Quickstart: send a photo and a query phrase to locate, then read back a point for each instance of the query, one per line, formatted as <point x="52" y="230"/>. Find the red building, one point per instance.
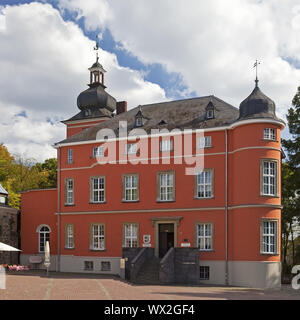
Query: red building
<point x="213" y="193"/>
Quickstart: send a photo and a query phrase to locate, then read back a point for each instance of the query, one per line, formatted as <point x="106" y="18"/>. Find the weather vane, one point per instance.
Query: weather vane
<point x="97" y="47"/>
<point x="256" y="67"/>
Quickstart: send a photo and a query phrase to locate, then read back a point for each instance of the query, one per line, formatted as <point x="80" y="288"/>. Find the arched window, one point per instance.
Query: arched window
<point x="44" y="235"/>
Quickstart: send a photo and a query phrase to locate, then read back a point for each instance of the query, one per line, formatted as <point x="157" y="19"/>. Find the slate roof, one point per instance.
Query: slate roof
<point x="2" y="190"/>
<point x="181" y="114"/>
<point x="94" y="113"/>
<point x="257" y="105"/>
<point x="96" y="96"/>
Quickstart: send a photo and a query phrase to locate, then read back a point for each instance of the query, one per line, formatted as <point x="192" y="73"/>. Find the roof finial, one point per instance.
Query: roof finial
<point x="97" y="47"/>
<point x="256" y="67"/>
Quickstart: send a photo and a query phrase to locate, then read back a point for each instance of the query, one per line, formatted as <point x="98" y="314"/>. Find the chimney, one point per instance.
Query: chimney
<point x="121" y="107"/>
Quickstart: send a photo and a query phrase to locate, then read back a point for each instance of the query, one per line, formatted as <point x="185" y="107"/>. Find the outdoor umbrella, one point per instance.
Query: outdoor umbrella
<point x="5" y="247"/>
<point x="47" y="256"/>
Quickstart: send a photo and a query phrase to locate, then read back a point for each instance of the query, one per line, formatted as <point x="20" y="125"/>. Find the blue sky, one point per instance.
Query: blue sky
<point x="172" y="82"/>
<point x="153" y="50"/>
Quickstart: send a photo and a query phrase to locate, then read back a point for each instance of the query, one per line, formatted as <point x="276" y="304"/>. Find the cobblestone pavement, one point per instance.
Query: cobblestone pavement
<point x="60" y="286"/>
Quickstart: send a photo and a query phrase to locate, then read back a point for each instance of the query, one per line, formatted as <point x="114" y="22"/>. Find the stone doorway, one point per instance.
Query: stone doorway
<point x="166" y="237"/>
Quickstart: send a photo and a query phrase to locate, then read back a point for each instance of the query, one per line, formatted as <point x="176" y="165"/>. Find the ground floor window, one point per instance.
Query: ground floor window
<point x="69" y="236"/>
<point x="204" y="273"/>
<point x="97" y="236"/>
<point x="205" y="236"/>
<point x="105" y="266"/>
<point x="130" y="232"/>
<point x="44" y="236"/>
<point x="269" y="237"/>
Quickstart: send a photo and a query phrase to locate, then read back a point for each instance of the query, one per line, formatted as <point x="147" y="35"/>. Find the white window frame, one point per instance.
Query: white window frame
<point x="166" y="145"/>
<point x="204" y="185"/>
<point x="138" y="122"/>
<point x="207" y="237"/>
<point x="269" y="177"/>
<point x="69" y="191"/>
<point x="166" y="186"/>
<point x="45" y="234"/>
<point x="70" y="156"/>
<point x="210" y="114"/>
<point x="70" y="236"/>
<point x="269" y="236"/>
<point x="131" y="148"/>
<point x="131" y="187"/>
<point x="98" y="151"/>
<point x="131" y="235"/>
<point x="205" y="272"/>
<point x="99" y="191"/>
<point x="97" y="236"/>
<point x="270" y="134"/>
<point x="204" y="142"/>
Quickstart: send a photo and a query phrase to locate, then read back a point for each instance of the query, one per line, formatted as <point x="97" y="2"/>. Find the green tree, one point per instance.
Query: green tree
<point x="291" y="183"/>
<point x="18" y="174"/>
<point x="293" y="145"/>
<point x="6" y="163"/>
<point x="48" y="173"/>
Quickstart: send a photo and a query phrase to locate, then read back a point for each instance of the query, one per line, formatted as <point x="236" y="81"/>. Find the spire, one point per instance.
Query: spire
<point x="97" y="47"/>
<point x="256" y="67"/>
<point x="96" y="70"/>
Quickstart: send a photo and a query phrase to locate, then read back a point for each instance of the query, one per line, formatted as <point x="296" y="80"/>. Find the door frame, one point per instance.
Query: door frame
<point x="164" y="220"/>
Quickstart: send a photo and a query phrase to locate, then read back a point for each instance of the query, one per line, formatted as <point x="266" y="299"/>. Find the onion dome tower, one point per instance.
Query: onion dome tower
<point x="95" y="97"/>
<point x="257" y="105"/>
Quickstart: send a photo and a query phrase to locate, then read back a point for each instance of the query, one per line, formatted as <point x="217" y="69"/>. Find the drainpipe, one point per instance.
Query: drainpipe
<point x="226" y="208"/>
<point x="58" y="213"/>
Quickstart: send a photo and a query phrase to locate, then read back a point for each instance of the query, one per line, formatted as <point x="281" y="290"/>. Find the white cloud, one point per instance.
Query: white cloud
<point x="43" y="63"/>
<point x="213" y="44"/>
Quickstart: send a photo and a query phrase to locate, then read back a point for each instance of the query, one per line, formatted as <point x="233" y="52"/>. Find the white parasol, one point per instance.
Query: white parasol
<point x="6" y="247"/>
<point x="47" y="256"/>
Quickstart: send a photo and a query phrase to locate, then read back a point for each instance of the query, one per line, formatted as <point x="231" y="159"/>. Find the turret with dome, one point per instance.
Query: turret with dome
<point x="94" y="103"/>
<point x="257" y="105"/>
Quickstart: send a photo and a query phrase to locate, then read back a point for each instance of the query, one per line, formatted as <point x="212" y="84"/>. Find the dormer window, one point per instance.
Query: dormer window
<point x="162" y="123"/>
<point x="210" y="111"/>
<point x="88" y="112"/>
<point x="138" y="122"/>
<point x="210" y="114"/>
<point x="139" y="118"/>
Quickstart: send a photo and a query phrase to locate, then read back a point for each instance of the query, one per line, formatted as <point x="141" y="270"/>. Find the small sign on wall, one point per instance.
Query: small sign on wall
<point x="146" y="240"/>
<point x="185" y="244"/>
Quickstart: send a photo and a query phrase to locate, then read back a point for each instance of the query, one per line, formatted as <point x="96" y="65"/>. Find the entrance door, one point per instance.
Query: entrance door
<point x="166" y="238"/>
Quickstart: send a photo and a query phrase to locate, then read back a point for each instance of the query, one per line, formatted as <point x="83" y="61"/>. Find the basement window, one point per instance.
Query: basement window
<point x="204" y="273"/>
<point x="88" y="265"/>
<point x="105" y="266"/>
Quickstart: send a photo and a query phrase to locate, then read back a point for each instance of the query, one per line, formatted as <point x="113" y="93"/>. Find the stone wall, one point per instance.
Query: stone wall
<point x="130" y="253"/>
<point x="180" y="265"/>
<point x="186" y="263"/>
<point x="9" y="234"/>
